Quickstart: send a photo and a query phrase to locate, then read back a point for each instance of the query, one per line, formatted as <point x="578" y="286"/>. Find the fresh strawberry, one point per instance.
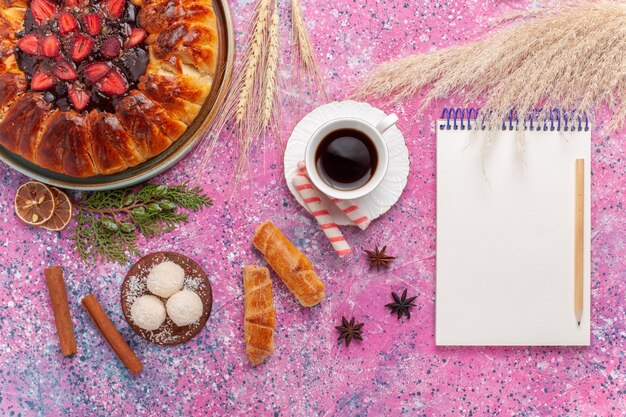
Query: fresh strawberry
<point x="29" y="44"/>
<point x="111" y="47"/>
<point x="81" y="47"/>
<point x="42" y="10"/>
<point x="136" y="36"/>
<point x="67" y="23"/>
<point x="115" y="7"/>
<point x="78" y="96"/>
<point x="41" y="81"/>
<point x="95" y="71"/>
<point x="114" y="84"/>
<point x="71" y="3"/>
<point x="64" y="70"/>
<point x="50" y="46"/>
<point x="92" y="23"/>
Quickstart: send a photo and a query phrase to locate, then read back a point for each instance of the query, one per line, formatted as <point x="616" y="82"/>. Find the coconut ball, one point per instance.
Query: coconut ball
<point x="148" y="312"/>
<point x="184" y="308"/>
<point x="165" y="279"/>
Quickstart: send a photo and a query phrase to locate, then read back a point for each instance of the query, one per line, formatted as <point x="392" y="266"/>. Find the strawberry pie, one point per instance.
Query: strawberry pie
<point x="92" y="87"/>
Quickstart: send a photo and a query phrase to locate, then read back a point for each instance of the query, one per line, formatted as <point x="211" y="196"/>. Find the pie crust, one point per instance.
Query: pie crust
<point x="182" y="44"/>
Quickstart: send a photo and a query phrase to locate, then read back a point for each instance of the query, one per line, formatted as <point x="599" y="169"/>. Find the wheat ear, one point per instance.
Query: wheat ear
<point x="269" y="86"/>
<point x="252" y="59"/>
<point x="302" y="48"/>
<point x="239" y="101"/>
<point x="301" y="35"/>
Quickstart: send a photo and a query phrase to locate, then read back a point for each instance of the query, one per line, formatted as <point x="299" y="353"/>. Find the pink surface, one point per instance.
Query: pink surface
<point x="396" y="369"/>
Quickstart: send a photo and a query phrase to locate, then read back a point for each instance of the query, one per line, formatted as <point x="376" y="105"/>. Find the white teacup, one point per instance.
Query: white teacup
<point x="373" y="132"/>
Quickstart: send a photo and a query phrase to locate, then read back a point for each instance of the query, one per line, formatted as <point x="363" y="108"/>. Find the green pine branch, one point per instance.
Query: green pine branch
<point x="108" y="222"/>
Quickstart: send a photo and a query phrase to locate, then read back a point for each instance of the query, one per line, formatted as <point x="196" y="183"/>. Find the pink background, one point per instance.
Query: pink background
<point x="397" y="369"/>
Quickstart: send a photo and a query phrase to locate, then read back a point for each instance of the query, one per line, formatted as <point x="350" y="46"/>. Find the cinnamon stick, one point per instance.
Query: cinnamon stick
<point x="61" y="309"/>
<point x="111" y="335"/>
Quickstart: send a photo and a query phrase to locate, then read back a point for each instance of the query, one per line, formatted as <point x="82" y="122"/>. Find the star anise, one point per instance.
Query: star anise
<point x="378" y="258"/>
<point x="401" y="305"/>
<point x="349" y="331"/>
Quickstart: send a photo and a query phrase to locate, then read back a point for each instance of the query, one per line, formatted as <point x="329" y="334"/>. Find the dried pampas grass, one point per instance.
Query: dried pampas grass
<point x="573" y="59"/>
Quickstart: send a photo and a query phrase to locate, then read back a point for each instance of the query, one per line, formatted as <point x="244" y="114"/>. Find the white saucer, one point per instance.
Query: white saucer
<point x="388" y="192"/>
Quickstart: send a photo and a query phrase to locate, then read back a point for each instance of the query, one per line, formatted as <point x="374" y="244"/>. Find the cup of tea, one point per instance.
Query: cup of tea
<point x="347" y="158"/>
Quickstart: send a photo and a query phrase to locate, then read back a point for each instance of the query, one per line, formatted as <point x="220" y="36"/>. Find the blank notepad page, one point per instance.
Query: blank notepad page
<point x="505" y="238"/>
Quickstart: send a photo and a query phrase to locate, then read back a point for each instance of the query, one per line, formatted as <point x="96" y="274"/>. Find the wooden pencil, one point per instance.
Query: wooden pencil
<point x="578" y="251"/>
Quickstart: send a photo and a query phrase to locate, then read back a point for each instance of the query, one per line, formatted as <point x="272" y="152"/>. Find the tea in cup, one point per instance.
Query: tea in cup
<point x="347" y="158"/>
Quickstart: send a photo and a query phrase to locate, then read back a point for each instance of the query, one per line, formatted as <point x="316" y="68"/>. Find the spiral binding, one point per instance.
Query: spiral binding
<point x="537" y="120"/>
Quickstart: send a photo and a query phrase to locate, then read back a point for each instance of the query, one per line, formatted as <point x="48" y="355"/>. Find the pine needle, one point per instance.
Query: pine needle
<point x="107" y="222"/>
<point x="573" y="60"/>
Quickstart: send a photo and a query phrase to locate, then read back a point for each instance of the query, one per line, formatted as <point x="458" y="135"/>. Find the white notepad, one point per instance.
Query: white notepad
<point x="505" y="238"/>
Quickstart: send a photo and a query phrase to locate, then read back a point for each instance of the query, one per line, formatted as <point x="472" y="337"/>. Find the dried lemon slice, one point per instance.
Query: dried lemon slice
<point x="34" y="203"/>
<point x="62" y="213"/>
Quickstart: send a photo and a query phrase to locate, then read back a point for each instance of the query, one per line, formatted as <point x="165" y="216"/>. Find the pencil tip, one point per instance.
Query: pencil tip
<point x="579" y="323"/>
